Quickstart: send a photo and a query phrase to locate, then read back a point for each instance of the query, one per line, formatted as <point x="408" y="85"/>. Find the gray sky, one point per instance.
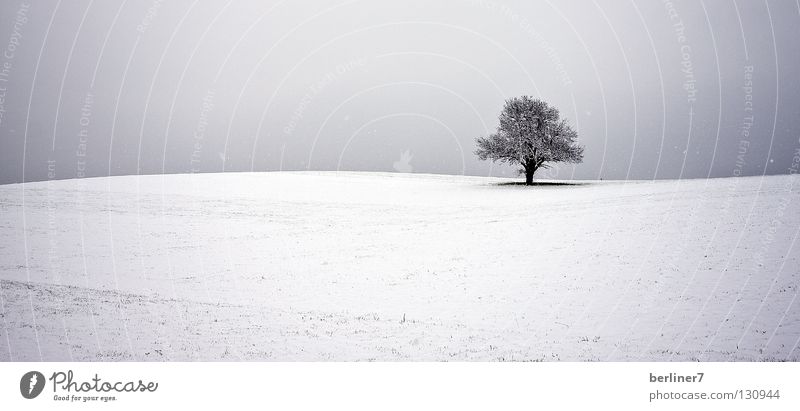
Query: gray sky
<point x="656" y="89"/>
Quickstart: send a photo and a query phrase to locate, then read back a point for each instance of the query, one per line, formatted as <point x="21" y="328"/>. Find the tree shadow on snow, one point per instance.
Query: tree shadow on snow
<point x="543" y="183"/>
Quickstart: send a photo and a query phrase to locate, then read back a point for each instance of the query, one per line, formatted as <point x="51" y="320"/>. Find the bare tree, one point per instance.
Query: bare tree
<point x="530" y="134"/>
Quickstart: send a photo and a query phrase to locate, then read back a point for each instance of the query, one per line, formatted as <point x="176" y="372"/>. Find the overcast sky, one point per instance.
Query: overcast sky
<point x="656" y="89"/>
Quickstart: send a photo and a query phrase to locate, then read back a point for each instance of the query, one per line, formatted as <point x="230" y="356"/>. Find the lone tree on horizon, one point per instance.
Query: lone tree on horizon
<point x="530" y="134"/>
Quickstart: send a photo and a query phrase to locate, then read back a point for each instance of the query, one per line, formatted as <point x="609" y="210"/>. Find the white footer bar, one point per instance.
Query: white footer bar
<point x="401" y="386"/>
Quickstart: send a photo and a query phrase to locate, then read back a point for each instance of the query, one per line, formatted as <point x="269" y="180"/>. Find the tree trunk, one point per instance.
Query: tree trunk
<point x="529" y="170"/>
<point x="530" y="166"/>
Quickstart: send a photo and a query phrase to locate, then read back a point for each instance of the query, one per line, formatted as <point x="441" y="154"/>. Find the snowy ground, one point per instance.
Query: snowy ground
<point x="364" y="266"/>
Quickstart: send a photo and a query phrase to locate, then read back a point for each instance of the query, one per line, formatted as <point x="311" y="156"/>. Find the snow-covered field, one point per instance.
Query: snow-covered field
<point x="366" y="266"/>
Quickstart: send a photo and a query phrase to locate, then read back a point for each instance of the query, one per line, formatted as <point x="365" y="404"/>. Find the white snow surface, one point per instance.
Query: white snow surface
<point x="375" y="266"/>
